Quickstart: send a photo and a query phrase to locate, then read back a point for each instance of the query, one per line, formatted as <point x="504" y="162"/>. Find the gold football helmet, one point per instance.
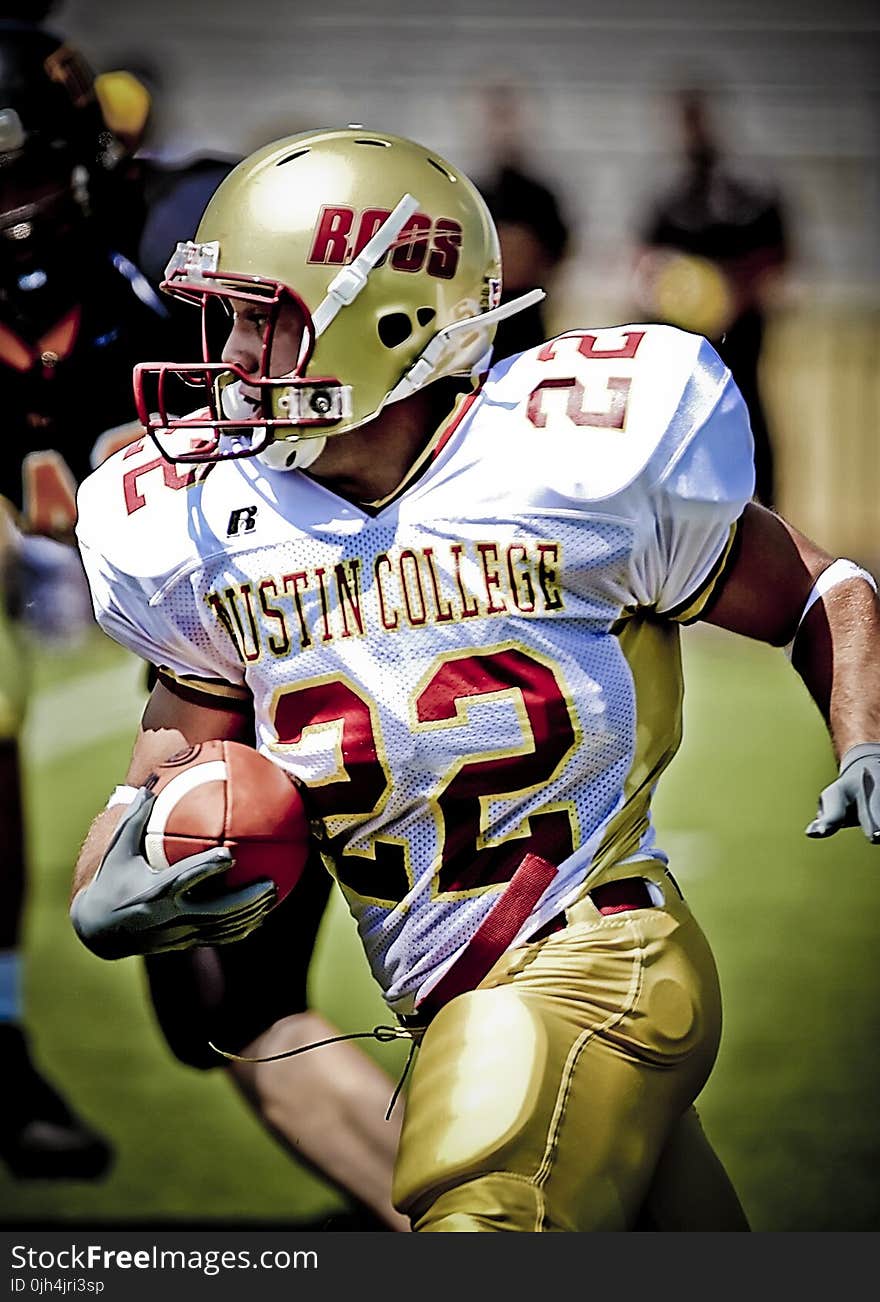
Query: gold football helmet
<point x="392" y="258"/>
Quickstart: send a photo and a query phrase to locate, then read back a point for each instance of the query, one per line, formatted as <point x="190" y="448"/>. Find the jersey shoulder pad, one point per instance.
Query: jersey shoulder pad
<point x="614" y="403"/>
<point x="135" y="508"/>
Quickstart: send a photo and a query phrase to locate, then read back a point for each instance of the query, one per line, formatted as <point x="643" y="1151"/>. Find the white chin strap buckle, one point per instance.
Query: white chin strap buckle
<point x="303" y="404"/>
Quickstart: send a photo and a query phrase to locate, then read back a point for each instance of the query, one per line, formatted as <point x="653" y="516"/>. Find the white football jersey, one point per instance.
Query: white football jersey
<point x="485" y="666"/>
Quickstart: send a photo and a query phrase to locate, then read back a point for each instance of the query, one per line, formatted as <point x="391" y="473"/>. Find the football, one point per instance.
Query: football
<point x="223" y="793"/>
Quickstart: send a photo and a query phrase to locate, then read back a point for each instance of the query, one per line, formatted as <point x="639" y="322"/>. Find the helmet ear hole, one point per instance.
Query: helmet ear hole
<point x="425" y="315"/>
<point x="394" y="329"/>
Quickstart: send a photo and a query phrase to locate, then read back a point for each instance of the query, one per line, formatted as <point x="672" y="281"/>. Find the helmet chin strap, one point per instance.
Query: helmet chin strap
<point x="294" y="453"/>
<point x="297" y="452"/>
<point x="286" y="454"/>
<point x="348" y="283"/>
<point x="234" y="403"/>
<point x="422" y="370"/>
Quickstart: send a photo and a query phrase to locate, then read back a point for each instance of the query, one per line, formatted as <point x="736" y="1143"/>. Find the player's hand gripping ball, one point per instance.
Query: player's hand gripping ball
<point x="222" y="793"/>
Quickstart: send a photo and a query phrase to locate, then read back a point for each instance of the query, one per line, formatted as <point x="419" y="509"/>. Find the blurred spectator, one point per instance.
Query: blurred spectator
<point x="531" y="227"/>
<point x="713" y="247"/>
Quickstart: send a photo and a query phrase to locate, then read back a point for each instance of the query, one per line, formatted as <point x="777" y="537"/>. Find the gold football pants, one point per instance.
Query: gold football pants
<point x="557" y="1095"/>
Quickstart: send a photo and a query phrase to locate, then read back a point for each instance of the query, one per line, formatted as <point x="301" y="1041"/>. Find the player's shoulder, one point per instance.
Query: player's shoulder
<point x="610" y="404"/>
<point x="135" y="509"/>
<point x="640" y="348"/>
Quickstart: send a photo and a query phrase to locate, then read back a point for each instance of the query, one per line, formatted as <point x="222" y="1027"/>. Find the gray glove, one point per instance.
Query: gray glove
<point x="853" y="799"/>
<point x="130" y="908"/>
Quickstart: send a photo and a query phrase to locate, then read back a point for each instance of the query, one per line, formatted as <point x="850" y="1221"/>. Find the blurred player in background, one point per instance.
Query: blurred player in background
<point x="167" y="194"/>
<point x="528" y="215"/>
<point x="73" y="312"/>
<point x="76" y="312"/>
<point x="714" y="246"/>
<point x="446" y="598"/>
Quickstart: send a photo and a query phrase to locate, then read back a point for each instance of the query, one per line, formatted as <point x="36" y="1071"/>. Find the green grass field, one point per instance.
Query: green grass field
<point x="791" y="1107"/>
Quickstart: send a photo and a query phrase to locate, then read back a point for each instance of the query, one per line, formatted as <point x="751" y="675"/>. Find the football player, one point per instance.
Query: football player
<point x="448" y="598"/>
<point x="75" y="314"/>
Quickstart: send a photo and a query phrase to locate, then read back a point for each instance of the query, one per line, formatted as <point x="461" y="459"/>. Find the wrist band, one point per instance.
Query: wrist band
<point x="837" y="572"/>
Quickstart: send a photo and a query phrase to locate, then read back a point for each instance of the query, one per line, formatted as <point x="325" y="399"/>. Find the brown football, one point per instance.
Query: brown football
<point x="223" y="793"/>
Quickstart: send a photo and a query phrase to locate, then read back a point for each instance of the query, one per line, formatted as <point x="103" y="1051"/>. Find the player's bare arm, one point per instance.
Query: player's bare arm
<point x="776" y="592"/>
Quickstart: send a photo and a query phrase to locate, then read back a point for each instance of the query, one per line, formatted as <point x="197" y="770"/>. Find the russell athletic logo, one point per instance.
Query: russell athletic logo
<point x="242" y="520"/>
<point x="424" y="242"/>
